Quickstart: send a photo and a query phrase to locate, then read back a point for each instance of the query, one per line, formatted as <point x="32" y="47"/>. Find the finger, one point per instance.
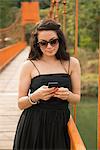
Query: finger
<point x="51" y="89"/>
<point x="60" y="92"/>
<point x="49" y="92"/>
<point x="48" y="89"/>
<point x="45" y="87"/>
<point x="63" y="89"/>
<point x="47" y="97"/>
<point x="56" y="89"/>
<point x="58" y="96"/>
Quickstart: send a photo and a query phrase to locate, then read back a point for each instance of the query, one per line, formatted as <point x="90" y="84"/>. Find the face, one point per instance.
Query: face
<point x="48" y="42"/>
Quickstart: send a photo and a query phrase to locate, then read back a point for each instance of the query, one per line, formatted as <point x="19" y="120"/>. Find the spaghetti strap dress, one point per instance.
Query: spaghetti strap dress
<point x="43" y="126"/>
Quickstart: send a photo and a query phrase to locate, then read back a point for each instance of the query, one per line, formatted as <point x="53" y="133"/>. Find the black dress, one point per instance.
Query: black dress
<point x="44" y="126"/>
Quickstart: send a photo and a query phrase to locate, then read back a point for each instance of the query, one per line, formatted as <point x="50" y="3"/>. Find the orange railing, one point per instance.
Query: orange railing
<point x="30" y="12"/>
<point x="98" y="116"/>
<point x="76" y="141"/>
<point x="8" y="53"/>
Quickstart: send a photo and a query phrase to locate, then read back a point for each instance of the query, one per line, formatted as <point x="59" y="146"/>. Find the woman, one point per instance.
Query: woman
<point x="43" y="123"/>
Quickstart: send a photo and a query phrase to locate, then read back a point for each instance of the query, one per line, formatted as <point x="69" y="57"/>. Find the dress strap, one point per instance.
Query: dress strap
<point x="67" y="71"/>
<point x="68" y="66"/>
<point x="35" y="66"/>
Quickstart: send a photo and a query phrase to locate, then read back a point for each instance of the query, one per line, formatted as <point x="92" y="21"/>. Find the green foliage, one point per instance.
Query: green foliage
<point x="43" y="13"/>
<point x="44" y="4"/>
<point x="89" y="72"/>
<point x="29" y="28"/>
<point x="7" y="12"/>
<point x="70" y="21"/>
<point x="90" y="84"/>
<point x="89" y="21"/>
<point x="22" y="1"/>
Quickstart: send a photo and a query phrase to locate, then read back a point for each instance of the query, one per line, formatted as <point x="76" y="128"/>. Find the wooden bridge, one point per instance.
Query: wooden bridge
<point x="9" y="112"/>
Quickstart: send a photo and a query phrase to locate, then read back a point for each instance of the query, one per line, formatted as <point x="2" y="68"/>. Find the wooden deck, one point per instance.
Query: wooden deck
<point x="9" y="112"/>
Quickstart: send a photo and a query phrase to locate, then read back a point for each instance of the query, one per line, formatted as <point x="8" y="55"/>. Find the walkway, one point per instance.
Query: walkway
<point x="9" y="112"/>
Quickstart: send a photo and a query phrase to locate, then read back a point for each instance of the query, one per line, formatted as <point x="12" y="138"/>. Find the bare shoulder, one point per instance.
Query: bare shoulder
<point x="74" y="63"/>
<point x="74" y="60"/>
<point x="26" y="65"/>
<point x="29" y="68"/>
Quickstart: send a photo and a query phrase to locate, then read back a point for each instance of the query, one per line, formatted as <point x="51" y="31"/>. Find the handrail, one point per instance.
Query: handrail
<point x="76" y="45"/>
<point x="57" y="10"/>
<point x="51" y="12"/>
<point x="98" y="123"/>
<point x="64" y="16"/>
<point x="10" y="52"/>
<point x="76" y="141"/>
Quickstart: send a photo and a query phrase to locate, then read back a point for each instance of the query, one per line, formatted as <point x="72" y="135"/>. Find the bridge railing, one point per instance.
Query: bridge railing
<point x="9" y="53"/>
<point x="76" y="141"/>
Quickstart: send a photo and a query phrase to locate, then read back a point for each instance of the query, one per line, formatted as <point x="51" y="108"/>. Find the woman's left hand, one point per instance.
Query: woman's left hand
<point x="62" y="93"/>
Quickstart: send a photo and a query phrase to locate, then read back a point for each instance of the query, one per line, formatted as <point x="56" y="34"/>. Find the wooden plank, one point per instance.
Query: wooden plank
<point x="9" y="111"/>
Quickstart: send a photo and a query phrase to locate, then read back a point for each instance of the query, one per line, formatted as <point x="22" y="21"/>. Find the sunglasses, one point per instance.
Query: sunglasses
<point x="52" y="42"/>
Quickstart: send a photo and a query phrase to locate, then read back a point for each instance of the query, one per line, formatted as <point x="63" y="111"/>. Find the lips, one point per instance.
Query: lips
<point x="50" y="51"/>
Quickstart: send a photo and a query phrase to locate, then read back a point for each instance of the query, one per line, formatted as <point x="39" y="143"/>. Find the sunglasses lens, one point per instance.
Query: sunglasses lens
<point x="54" y="42"/>
<point x="43" y="44"/>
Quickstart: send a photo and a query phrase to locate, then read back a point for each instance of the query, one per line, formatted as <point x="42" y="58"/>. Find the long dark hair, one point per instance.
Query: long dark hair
<point x="48" y="24"/>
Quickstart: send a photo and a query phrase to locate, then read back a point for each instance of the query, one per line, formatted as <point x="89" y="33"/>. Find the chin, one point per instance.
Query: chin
<point x="51" y="53"/>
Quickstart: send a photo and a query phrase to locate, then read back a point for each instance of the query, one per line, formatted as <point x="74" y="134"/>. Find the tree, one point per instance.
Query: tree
<point x="7" y="12"/>
<point x="88" y="23"/>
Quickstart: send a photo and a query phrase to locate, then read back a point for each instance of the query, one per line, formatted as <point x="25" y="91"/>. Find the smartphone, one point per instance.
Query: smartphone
<point x="53" y="84"/>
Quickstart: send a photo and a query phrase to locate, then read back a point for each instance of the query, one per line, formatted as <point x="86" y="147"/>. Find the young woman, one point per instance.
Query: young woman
<point x="49" y="81"/>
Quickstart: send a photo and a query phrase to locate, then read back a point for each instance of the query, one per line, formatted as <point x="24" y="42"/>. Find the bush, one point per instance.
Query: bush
<point x="89" y="84"/>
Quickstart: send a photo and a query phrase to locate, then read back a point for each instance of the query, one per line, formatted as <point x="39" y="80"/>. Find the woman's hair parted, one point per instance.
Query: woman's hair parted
<point x="48" y="24"/>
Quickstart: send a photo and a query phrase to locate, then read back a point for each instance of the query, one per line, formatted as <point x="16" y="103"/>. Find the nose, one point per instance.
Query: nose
<point x="49" y="45"/>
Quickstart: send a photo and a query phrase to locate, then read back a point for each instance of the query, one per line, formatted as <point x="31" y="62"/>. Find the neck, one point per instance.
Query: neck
<point x="49" y="59"/>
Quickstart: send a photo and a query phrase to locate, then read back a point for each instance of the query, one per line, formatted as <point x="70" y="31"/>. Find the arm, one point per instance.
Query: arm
<point x="74" y="96"/>
<point x="23" y="88"/>
<point x="43" y="92"/>
<point x="64" y="93"/>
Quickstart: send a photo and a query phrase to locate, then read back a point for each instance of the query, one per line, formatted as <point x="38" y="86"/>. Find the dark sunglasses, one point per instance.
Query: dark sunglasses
<point x="52" y="42"/>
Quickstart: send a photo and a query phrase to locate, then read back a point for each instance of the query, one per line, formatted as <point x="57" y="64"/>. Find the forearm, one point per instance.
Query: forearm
<point x="73" y="98"/>
<point x="24" y="102"/>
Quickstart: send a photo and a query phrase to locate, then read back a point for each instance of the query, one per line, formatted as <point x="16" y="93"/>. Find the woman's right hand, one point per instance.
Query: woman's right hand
<point x="44" y="93"/>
